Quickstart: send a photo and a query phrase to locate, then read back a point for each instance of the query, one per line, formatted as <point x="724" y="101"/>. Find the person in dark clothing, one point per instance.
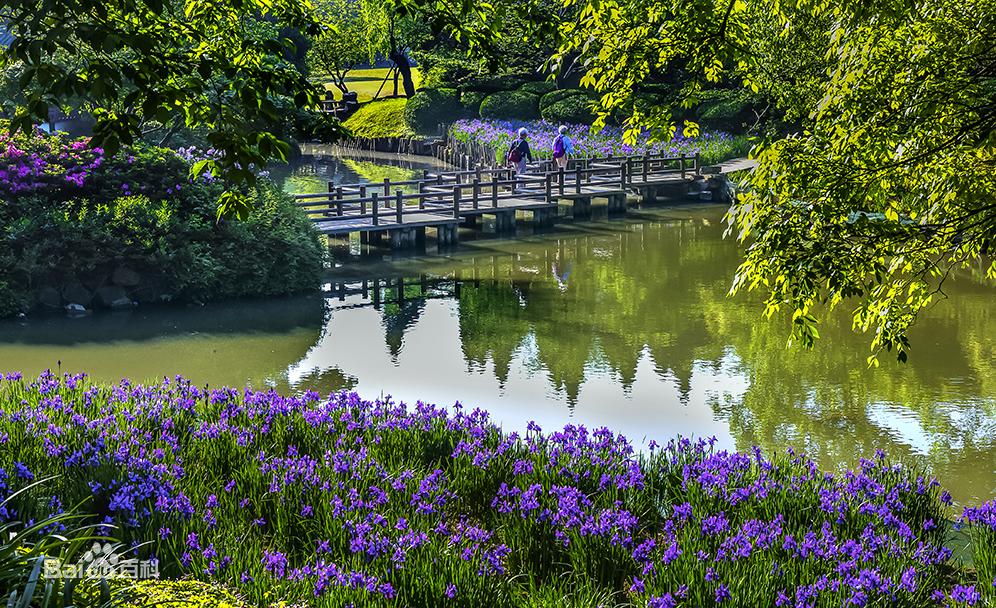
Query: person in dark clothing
<point x="519" y="154"/>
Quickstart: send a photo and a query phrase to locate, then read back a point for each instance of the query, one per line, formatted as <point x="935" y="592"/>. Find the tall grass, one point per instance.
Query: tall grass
<point x="338" y="501"/>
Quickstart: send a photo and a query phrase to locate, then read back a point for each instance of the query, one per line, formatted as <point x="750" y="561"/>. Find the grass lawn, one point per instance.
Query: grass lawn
<point x="380" y="119"/>
<point x="366" y="82"/>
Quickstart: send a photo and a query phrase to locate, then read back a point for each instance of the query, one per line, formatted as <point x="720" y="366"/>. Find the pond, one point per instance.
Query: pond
<point x="623" y="323"/>
<point x="320" y="164"/>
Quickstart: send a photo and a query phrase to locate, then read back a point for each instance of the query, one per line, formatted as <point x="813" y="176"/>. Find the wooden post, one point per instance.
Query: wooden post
<point x="421" y="195"/>
<point x="560" y="180"/>
<point x="456" y="202"/>
<point x="399" y="205"/>
<point x="494" y="190"/>
<point x="376" y="220"/>
<point x="646" y="166"/>
<point x="698" y="163"/>
<point x="338" y="200"/>
<point x="681" y="165"/>
<point x="363" y="203"/>
<point x="477" y="190"/>
<point x="548" y="184"/>
<point x="622" y="176"/>
<point x="387" y="187"/>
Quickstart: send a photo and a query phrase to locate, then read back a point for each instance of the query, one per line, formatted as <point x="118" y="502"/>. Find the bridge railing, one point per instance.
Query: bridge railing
<point x="448" y="192"/>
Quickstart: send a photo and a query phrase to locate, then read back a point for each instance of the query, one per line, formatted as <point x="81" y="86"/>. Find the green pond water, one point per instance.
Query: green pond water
<point x="623" y="323"/>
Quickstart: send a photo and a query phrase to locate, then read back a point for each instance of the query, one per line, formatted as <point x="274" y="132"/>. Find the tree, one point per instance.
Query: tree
<point x="220" y="65"/>
<point x="339" y="47"/>
<point x="888" y="187"/>
<point x="392" y="32"/>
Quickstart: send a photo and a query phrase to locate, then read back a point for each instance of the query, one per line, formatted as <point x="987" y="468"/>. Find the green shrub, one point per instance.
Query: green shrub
<point x="510" y="105"/>
<point x="495" y="84"/>
<point x="553" y="97"/>
<point x="442" y="72"/>
<point x="726" y="110"/>
<point x="471" y="102"/>
<point x="137" y="223"/>
<point x="431" y="107"/>
<point x="539" y="88"/>
<point x="575" y="109"/>
<point x="380" y="119"/>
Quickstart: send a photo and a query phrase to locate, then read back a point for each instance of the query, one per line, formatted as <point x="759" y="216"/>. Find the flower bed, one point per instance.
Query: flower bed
<point x="339" y="501"/>
<point x="499" y="134"/>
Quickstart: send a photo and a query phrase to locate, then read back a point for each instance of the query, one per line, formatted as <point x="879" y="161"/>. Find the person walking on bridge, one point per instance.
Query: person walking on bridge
<point x="562" y="147"/>
<point x="518" y="154"/>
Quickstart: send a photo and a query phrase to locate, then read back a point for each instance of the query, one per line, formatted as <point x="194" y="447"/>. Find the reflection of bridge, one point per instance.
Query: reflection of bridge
<point x="403" y="210"/>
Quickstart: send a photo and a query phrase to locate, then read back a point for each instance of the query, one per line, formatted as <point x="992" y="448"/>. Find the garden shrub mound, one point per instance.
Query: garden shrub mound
<point x="553" y="97"/>
<point x="340" y="502"/>
<point x="575" y="109"/>
<point x="471" y="102"/>
<point x="512" y="105"/>
<point x="507" y="82"/>
<point x="380" y="119"/>
<point x="539" y="88"/>
<point x="82" y="227"/>
<point x="429" y="108"/>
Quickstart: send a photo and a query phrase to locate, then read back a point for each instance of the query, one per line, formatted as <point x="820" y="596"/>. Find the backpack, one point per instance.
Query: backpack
<point x="514" y="153"/>
<point x="558" y="147"/>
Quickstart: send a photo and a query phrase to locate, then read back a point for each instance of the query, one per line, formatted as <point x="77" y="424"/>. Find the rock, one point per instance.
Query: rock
<point x="107" y="296"/>
<point x="122" y="303"/>
<point x="75" y="309"/>
<point x="49" y="297"/>
<point x="126" y="277"/>
<point x="77" y="293"/>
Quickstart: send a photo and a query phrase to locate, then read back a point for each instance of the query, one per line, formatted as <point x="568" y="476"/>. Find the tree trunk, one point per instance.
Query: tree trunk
<point x="405" y="68"/>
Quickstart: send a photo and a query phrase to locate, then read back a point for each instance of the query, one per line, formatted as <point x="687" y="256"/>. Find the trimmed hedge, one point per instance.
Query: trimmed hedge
<point x="430" y="107"/>
<point x="539" y="88"/>
<point x="511" y="105"/>
<point x="494" y="85"/>
<point x="553" y="97"/>
<point x="471" y="102"/>
<point x="728" y="110"/>
<point x="575" y="109"/>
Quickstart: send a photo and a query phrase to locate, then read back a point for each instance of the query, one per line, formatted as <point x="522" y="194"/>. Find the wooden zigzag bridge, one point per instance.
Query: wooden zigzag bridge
<point x="443" y="201"/>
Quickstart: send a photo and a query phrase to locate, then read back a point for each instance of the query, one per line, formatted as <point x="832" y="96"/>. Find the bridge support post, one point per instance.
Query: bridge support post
<point x="402" y="238"/>
<point x="505" y="221"/>
<point x="617" y="203"/>
<point x="582" y="207"/>
<point x="543" y="218"/>
<point x="471" y="221"/>
<point x="447" y="235"/>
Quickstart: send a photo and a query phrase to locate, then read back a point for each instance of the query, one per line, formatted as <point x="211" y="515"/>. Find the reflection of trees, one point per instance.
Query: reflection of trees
<point x="492" y="325"/>
<point x="662" y="287"/>
<point x="327" y="380"/>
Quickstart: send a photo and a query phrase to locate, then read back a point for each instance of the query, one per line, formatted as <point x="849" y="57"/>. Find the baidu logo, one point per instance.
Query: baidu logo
<point x="102" y="561"/>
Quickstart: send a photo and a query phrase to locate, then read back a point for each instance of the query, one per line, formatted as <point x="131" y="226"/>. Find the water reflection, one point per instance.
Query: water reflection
<point x="623" y="323"/>
<point x="320" y="165"/>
